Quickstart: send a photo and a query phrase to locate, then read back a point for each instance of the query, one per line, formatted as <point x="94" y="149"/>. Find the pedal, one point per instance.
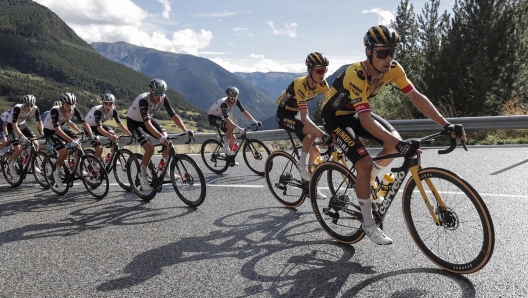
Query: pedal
<point x="333" y="215"/>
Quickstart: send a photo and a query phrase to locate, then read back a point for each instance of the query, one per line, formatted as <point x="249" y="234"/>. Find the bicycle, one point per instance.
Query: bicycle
<point x="95" y="180"/>
<point x="28" y="162"/>
<point x="116" y="162"/>
<point x="444" y="214"/>
<point x="183" y="172"/>
<point x="253" y="151"/>
<point x="283" y="177"/>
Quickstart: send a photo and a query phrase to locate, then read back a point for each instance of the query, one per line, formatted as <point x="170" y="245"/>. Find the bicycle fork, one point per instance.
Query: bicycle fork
<point x="414" y="172"/>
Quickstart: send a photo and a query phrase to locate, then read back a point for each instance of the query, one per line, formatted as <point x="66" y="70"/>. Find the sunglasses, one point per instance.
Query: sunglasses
<point x="232" y="98"/>
<point x="29" y="105"/>
<point x="382" y="54"/>
<point x="108" y="103"/>
<point x="158" y="93"/>
<point x="320" y="71"/>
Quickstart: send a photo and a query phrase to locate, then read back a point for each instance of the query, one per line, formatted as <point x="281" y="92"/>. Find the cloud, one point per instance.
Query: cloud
<point x="166" y="8"/>
<point x="242" y="31"/>
<point x="290" y="29"/>
<point x="222" y="14"/>
<point x="384" y="16"/>
<point x="122" y="20"/>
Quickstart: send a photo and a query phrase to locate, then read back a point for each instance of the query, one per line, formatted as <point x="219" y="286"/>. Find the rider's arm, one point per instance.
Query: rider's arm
<point x="54" y="114"/>
<point x="74" y="126"/>
<point x="120" y="124"/>
<point x="14" y="121"/>
<point x="422" y="103"/>
<point x="85" y="125"/>
<point x="40" y="125"/>
<point x="308" y="123"/>
<point x="175" y="118"/>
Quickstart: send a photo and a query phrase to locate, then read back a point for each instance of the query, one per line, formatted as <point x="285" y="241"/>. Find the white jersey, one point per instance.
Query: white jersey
<point x="5" y="115"/>
<point x="56" y="116"/>
<point x="91" y="117"/>
<point x="22" y="116"/>
<point x="221" y="108"/>
<point x="135" y="112"/>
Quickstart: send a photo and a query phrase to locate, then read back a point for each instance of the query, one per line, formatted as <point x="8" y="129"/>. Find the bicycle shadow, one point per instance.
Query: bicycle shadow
<point x="263" y="238"/>
<point x="509" y="168"/>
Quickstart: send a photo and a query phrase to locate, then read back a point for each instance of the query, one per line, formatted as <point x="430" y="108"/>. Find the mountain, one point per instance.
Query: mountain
<point x="199" y="80"/>
<point x="274" y="82"/>
<point x="41" y="55"/>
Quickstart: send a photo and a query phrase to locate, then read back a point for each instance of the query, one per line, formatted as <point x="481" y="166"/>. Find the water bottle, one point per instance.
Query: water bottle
<point x="72" y="163"/>
<point x="374" y="191"/>
<point x="316" y="162"/>
<point x="26" y="159"/>
<point x="235" y="147"/>
<point x="107" y="160"/>
<point x="161" y="165"/>
<point x="387" y="181"/>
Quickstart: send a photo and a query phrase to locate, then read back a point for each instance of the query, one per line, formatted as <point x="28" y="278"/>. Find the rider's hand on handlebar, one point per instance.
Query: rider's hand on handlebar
<point x="23" y="140"/>
<point x="241" y="130"/>
<point x="75" y="143"/>
<point x="190" y="133"/>
<point x="327" y="139"/>
<point x="407" y="149"/>
<point x="258" y="123"/>
<point x="457" y="131"/>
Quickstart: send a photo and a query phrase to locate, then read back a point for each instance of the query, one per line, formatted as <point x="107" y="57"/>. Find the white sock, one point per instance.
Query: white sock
<point x="366" y="210"/>
<point x="303" y="159"/>
<point x="57" y="170"/>
<point x="376" y="169"/>
<point x="143" y="171"/>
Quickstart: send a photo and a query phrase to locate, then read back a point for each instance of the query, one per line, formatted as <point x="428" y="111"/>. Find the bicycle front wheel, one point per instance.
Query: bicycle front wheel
<point x="213" y="157"/>
<point x="255" y="154"/>
<point x="14" y="179"/>
<point x="49" y="167"/>
<point x="464" y="241"/>
<point x="188" y="180"/>
<point x="120" y="169"/>
<point x="96" y="178"/>
<point x="284" y="179"/>
<point x="334" y="202"/>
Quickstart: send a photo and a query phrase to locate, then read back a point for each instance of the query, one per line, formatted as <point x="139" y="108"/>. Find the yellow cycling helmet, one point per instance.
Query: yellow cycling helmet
<point x="58" y="103"/>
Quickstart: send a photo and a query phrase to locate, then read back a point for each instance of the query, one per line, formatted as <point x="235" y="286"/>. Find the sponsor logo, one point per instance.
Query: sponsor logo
<point x="355" y="89"/>
<point x="362" y="151"/>
<point x="395" y="186"/>
<point x="300" y="94"/>
<point x="362" y="107"/>
<point x="360" y="74"/>
<point x="288" y="121"/>
<point x="344" y="137"/>
<point x="353" y="102"/>
<point x="284" y="99"/>
<point x="338" y="100"/>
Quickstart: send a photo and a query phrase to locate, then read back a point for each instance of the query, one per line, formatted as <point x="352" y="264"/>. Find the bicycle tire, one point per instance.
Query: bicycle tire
<point x="284" y="179"/>
<point x="213" y="156"/>
<point x="339" y="214"/>
<point x="120" y="170"/>
<point x="10" y="179"/>
<point x="49" y="167"/>
<point x="96" y="181"/>
<point x="465" y="240"/>
<point x="134" y="177"/>
<point x="183" y="169"/>
<point x="38" y="165"/>
<point x="255" y="154"/>
<point x="89" y="151"/>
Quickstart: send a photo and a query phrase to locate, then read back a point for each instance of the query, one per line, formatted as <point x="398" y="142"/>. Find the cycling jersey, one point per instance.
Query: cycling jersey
<point x="142" y="108"/>
<point x="96" y="116"/>
<point x="56" y="119"/>
<point x="298" y="94"/>
<point x="4" y="116"/>
<point x="221" y="108"/>
<point x="350" y="92"/>
<point x="19" y="116"/>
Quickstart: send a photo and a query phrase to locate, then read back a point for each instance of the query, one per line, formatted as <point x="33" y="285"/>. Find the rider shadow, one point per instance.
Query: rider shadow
<point x="253" y="238"/>
<point x="509" y="168"/>
<point x="233" y="178"/>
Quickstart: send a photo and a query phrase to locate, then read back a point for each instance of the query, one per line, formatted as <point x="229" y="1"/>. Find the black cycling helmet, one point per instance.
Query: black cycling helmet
<point x="108" y="97"/>
<point x="381" y="36"/>
<point x="232" y="91"/>
<point x="68" y="98"/>
<point x="158" y="85"/>
<point x="316" y="59"/>
<point x="29" y="100"/>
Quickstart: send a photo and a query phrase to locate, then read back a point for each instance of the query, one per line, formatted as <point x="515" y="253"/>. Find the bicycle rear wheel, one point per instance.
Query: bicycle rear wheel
<point x="213" y="157"/>
<point x="284" y="179"/>
<point x="49" y="167"/>
<point x="96" y="180"/>
<point x="120" y="169"/>
<point x="464" y="241"/>
<point x="38" y="169"/>
<point x="255" y="154"/>
<point x="134" y="177"/>
<point x="13" y="179"/>
<point x="339" y="214"/>
<point x="188" y="180"/>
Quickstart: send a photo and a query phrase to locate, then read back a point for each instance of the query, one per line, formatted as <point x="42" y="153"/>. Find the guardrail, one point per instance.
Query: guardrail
<point x="469" y="123"/>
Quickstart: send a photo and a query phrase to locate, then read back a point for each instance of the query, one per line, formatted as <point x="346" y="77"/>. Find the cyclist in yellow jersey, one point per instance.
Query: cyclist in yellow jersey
<point x="293" y="114"/>
<point x="346" y="114"/>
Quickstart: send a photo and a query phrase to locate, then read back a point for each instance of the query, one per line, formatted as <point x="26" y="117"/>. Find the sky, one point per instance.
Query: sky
<point x="239" y="35"/>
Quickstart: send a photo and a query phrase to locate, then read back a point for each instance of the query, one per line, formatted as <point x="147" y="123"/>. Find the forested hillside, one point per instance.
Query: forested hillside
<point x="41" y="55"/>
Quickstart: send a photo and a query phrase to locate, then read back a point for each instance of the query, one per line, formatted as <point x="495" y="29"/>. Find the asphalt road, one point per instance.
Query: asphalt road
<point x="242" y="243"/>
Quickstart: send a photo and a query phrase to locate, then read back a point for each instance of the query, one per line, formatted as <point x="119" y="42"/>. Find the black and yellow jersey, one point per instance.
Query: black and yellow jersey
<point x="298" y="94"/>
<point x="350" y="92"/>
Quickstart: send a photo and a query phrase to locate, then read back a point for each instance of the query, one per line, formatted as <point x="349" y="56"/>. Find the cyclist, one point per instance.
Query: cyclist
<point x="16" y="126"/>
<point x="98" y="115"/>
<point x="3" y="131"/>
<point x="293" y="113"/>
<point x="58" y="103"/>
<point x="346" y="113"/>
<point x="140" y="122"/>
<point x="218" y="116"/>
<point x="55" y="130"/>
